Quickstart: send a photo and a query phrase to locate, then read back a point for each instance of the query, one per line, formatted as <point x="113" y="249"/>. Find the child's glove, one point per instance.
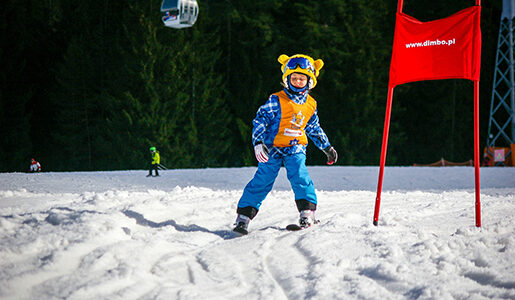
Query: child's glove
<point x="261" y="152"/>
<point x="332" y="156"/>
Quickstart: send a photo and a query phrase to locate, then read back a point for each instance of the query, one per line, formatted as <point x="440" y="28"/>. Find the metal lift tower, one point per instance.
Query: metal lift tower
<point x="502" y="108"/>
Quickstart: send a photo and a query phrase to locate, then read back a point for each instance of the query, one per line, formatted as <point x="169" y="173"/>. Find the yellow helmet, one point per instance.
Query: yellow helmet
<point x="300" y="63"/>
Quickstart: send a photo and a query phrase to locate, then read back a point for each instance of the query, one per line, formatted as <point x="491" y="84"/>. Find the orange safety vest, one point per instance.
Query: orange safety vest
<point x="294" y="118"/>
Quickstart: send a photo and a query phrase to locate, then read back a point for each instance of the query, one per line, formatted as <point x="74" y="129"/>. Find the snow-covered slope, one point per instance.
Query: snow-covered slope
<point x="120" y="235"/>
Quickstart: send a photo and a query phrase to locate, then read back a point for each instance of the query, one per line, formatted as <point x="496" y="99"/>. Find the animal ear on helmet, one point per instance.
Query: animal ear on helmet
<point x="318" y="65"/>
<point x="283" y="58"/>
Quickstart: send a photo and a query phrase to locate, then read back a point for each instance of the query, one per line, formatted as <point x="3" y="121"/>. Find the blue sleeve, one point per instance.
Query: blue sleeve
<point x="316" y="133"/>
<point x="264" y="116"/>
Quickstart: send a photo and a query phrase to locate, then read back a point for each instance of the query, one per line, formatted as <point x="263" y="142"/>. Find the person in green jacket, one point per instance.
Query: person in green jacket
<point x="154" y="163"/>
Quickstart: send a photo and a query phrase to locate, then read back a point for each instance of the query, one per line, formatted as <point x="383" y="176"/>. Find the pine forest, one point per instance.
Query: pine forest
<point x="91" y="85"/>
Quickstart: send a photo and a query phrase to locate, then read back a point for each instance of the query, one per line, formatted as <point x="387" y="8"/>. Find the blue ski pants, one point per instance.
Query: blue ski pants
<point x="259" y="187"/>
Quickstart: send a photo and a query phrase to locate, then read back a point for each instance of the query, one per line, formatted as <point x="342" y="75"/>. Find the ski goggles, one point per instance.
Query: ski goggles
<point x="301" y="62"/>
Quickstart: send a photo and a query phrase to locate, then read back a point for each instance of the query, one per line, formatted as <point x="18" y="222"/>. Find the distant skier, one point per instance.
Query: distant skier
<point x="154" y="163"/>
<point x="34" y="166"/>
<point x="486" y="160"/>
<point x="279" y="136"/>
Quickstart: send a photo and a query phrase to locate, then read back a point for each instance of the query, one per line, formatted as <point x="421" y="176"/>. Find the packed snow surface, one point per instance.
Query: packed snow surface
<point x="121" y="235"/>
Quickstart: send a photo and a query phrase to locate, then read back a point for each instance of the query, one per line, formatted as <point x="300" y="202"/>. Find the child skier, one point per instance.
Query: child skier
<point x="35" y="166"/>
<point x="154" y="163"/>
<point x="279" y="136"/>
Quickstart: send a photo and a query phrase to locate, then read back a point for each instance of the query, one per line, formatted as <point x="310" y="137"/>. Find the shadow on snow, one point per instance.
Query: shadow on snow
<point x="140" y="220"/>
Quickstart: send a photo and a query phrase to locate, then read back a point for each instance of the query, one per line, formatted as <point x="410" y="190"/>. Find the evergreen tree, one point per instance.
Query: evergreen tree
<point x="177" y="103"/>
<point x="88" y="76"/>
<point x="90" y="85"/>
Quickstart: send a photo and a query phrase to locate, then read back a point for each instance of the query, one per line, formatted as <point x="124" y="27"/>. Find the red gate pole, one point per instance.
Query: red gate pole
<point x="400" y="4"/>
<point x="383" y="153"/>
<point x="385" y="139"/>
<point x="476" y="151"/>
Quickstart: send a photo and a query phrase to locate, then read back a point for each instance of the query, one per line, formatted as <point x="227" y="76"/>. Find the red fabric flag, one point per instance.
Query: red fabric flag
<point x="441" y="49"/>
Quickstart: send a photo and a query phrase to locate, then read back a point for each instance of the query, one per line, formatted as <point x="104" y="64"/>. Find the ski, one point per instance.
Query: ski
<point x="241" y="228"/>
<point x="296" y="227"/>
<point x="241" y="231"/>
<point x="293" y="227"/>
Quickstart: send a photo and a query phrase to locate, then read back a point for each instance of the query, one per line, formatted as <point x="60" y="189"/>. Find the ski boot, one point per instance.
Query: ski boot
<point x="307" y="218"/>
<point x="242" y="223"/>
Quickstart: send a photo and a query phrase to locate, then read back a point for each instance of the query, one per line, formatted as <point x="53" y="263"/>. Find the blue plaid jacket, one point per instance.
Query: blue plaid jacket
<point x="266" y="126"/>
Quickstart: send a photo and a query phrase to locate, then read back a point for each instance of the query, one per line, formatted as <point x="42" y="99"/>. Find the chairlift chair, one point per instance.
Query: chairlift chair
<point x="179" y="13"/>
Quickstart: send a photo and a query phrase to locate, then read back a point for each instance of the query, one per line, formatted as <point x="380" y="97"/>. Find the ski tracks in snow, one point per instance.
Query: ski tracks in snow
<point x="177" y="244"/>
<point x="288" y="265"/>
